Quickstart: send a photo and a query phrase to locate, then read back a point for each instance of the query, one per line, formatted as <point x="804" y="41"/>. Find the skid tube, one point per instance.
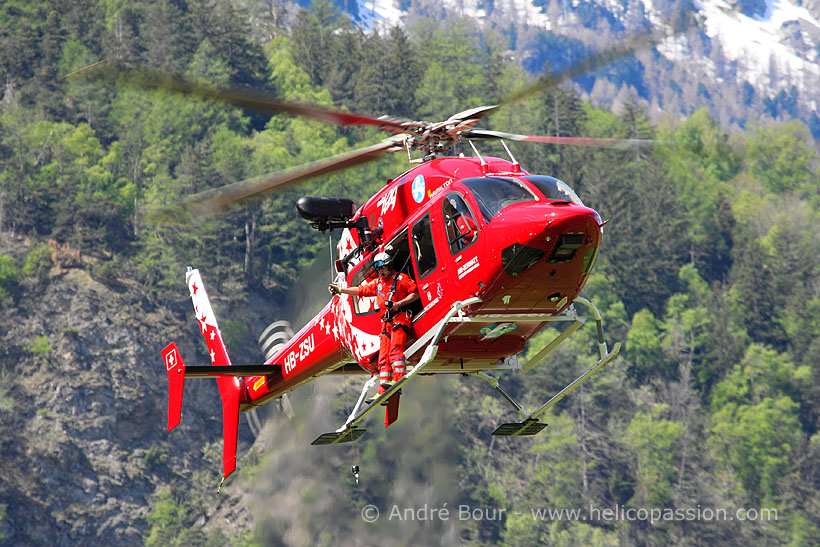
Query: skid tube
<point x="530" y="424"/>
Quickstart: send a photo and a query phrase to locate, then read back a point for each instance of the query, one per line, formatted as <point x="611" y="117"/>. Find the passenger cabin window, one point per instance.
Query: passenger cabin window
<point x="493" y="194"/>
<point x="363" y="305"/>
<point x="459" y="223"/>
<point x="423" y="248"/>
<point x="554" y="189"/>
<point x="399" y="249"/>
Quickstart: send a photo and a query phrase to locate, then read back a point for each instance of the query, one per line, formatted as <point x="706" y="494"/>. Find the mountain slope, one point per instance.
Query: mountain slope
<point x="751" y="61"/>
<point x="83" y="441"/>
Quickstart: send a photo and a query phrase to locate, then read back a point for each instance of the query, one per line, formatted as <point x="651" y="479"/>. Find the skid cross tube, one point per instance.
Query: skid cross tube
<point x="598" y="324"/>
<point x="427" y="357"/>
<point x="494" y="382"/>
<point x="367" y="385"/>
<point x="578" y="381"/>
<point x="577" y="322"/>
<point x="529" y="424"/>
<point x="349" y="432"/>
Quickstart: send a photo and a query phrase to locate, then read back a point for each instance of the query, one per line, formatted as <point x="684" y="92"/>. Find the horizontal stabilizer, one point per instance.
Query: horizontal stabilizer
<point x="209" y="371"/>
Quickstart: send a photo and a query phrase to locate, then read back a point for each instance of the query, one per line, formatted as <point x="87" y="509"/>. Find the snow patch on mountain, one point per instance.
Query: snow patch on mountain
<point x="380" y="13"/>
<point x="386" y="13"/>
<point x="772" y="49"/>
<point x="756" y="43"/>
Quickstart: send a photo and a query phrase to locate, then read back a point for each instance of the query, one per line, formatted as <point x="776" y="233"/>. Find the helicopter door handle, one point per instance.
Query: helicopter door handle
<point x="459" y="257"/>
<point x="424" y="288"/>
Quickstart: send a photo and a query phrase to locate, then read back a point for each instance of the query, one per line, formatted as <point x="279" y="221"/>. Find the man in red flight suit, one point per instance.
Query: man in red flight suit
<point x="393" y="291"/>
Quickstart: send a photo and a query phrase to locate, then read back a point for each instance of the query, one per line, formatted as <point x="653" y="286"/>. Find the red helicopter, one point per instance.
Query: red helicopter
<point x="484" y="291"/>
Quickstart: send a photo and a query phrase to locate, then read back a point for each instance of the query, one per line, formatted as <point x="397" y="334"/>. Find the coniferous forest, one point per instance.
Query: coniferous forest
<point x="706" y="428"/>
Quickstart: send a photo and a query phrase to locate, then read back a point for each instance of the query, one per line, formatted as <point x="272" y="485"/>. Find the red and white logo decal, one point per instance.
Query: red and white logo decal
<point x="387" y="201"/>
<point x="171" y="359"/>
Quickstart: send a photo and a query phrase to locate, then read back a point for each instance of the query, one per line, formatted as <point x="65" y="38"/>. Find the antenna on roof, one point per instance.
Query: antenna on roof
<point x="516" y="165"/>
<point x="484" y="167"/>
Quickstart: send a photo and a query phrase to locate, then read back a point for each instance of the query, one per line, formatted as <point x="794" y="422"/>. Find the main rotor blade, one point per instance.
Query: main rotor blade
<point x="238" y="96"/>
<point x="206" y="202"/>
<point x="620" y="50"/>
<point x="591" y="142"/>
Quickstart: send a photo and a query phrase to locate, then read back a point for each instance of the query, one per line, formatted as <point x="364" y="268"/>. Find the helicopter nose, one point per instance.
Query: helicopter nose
<point x="559" y="239"/>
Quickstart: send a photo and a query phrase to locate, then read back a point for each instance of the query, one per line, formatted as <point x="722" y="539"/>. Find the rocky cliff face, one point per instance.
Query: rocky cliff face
<point x="84" y="444"/>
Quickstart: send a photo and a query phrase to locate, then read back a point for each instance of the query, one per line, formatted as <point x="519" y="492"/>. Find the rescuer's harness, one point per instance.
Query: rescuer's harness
<point x="390" y="313"/>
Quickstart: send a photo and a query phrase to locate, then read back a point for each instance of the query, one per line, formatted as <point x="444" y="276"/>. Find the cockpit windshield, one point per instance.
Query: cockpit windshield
<point x="495" y="193"/>
<point x="554" y="189"/>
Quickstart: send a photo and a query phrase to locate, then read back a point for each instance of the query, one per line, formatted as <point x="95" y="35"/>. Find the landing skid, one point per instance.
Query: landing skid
<point x="349" y="432"/>
<point x="530" y="424"/>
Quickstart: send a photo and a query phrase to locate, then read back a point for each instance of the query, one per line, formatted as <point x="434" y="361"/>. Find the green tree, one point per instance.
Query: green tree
<point x="686" y="323"/>
<point x="755" y="424"/>
<point x="762" y="373"/>
<point x="756" y="443"/>
<point x="774" y="261"/>
<point x="656" y="442"/>
<point x="225" y="26"/>
<point x="167" y="520"/>
<point x="94" y="207"/>
<point x="782" y="157"/>
<point x="38" y="262"/>
<point x="388" y="75"/>
<point x="639" y="208"/>
<point x="453" y="79"/>
<point x="643" y="346"/>
<point x="314" y="35"/>
<point x="701" y="166"/>
<point x="166" y="27"/>
<point x="726" y="340"/>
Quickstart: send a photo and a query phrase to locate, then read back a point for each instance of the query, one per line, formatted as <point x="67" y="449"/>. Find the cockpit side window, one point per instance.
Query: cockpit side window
<point x="423" y="247"/>
<point x="494" y="194"/>
<point x="459" y="222"/>
<point x="554" y="189"/>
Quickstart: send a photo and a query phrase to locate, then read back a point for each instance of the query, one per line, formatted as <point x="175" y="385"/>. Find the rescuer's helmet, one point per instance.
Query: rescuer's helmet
<point x="382" y="259"/>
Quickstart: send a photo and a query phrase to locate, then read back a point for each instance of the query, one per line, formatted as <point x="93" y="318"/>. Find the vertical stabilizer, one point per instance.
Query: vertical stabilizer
<point x="176" y="381"/>
<point x="229" y="387"/>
